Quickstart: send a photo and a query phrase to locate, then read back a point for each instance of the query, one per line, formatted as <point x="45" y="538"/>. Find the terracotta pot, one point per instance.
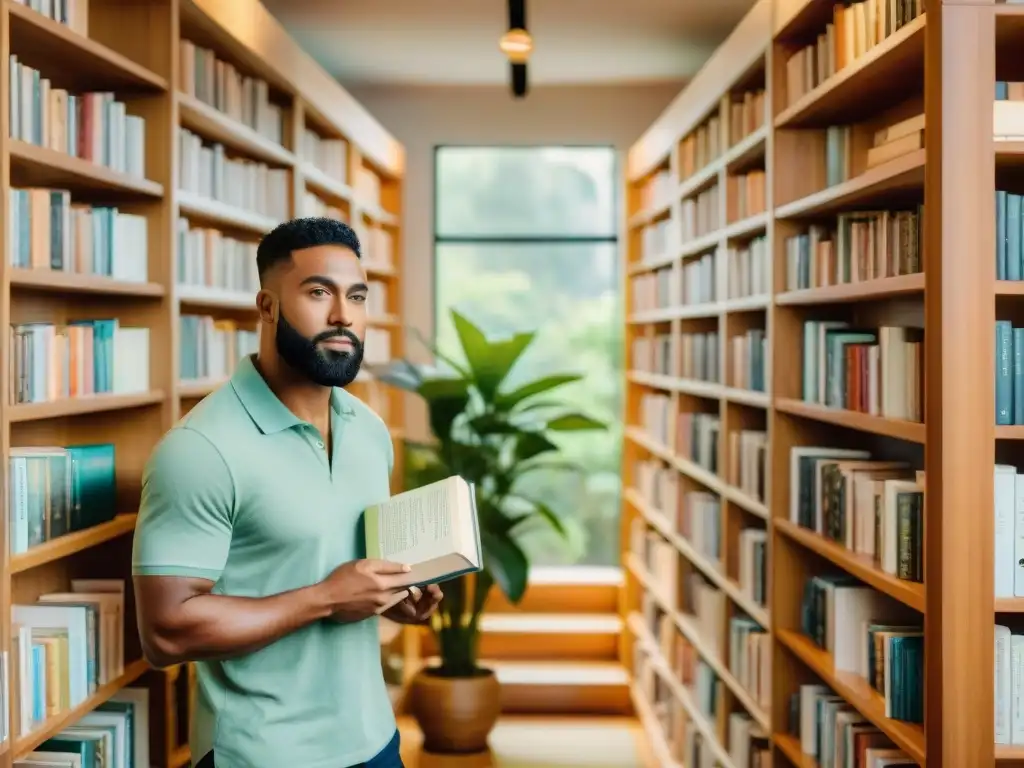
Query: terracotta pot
<point x="456" y="714"/>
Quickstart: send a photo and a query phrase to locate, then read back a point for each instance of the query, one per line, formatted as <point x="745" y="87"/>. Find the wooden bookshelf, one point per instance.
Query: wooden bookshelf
<point x="927" y="209"/>
<point x="144" y="55"/>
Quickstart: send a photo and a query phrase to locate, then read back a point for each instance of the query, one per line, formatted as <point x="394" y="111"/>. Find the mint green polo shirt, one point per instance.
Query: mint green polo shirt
<point x="241" y="492"/>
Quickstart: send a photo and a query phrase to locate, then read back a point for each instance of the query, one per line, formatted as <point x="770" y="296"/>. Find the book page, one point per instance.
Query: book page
<point x="418" y="525"/>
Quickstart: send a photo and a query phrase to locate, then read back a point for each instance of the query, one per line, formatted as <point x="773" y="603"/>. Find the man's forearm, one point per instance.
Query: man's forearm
<point x="209" y="626"/>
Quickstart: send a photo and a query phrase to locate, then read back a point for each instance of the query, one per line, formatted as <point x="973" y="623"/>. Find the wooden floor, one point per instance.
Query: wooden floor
<point x="543" y="742"/>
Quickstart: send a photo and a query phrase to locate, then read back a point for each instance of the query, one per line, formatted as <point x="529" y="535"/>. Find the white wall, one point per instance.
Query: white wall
<point x="423" y="118"/>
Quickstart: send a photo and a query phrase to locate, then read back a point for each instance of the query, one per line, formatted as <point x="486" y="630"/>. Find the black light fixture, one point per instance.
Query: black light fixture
<point x="517" y="45"/>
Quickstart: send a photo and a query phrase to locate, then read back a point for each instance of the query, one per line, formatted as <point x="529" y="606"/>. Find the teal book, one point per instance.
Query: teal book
<point x="93" y="486"/>
<point x="434" y="529"/>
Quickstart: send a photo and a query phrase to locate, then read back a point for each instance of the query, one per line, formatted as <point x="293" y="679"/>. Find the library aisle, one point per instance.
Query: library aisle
<point x="822" y="461"/>
<point x="536" y="742"/>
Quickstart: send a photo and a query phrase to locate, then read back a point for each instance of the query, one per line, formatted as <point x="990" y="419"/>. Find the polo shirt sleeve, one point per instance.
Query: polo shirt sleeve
<point x="185" y="517"/>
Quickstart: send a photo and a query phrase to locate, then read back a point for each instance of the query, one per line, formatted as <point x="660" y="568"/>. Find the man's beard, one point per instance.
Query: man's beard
<point x="326" y="367"/>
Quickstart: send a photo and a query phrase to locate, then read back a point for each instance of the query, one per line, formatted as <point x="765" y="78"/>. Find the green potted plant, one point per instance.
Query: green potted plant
<point x="494" y="437"/>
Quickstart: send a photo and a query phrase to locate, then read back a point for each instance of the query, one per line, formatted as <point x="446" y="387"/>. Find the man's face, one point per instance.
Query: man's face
<point x="321" y="318"/>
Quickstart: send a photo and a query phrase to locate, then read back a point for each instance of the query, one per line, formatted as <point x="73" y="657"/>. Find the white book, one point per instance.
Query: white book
<point x="1005" y="494"/>
<point x="72" y="619"/>
<point x="1017" y="689"/>
<point x="139" y="697"/>
<point x="433" y="529"/>
<point x="1018" y="537"/>
<point x="1002" y="685"/>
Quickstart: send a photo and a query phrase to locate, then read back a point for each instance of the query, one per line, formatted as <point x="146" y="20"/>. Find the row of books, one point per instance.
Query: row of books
<point x="1009" y="685"/>
<point x="750" y="360"/>
<point x="870" y="635"/>
<point x="854" y="30"/>
<point x="698" y="356"/>
<point x="745" y="115"/>
<point x="216" y="82"/>
<point x="747" y="462"/>
<point x="84" y="357"/>
<point x="1009" y="353"/>
<point x="329" y="155"/>
<point x="652" y="354"/>
<point x="56" y="490"/>
<point x="833" y="733"/>
<point x="366" y="186"/>
<point x="700" y="215"/>
<point x="207" y="170"/>
<point x="749" y="269"/>
<point x="878" y="371"/>
<point x="314" y="205"/>
<point x="66" y="646"/>
<point x="747" y="194"/>
<point x="114" y="735"/>
<point x="658" y="189"/>
<point x="676" y="664"/>
<point x="92" y="126"/>
<point x="656" y="419"/>
<point x="210" y="349"/>
<point x="871" y="507"/>
<point x="1008" y="553"/>
<point x="73" y="14"/>
<point x="48" y="230"/>
<point x="697" y="438"/>
<point x="866" y="245"/>
<point x="659" y="240"/>
<point x="208" y="257"/>
<point x="696" y="516"/>
<point x="1009" y="236"/>
<point x="701" y="146"/>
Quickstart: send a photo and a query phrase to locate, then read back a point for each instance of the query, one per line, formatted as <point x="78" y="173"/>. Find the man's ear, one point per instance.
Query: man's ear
<point x="268" y="305"/>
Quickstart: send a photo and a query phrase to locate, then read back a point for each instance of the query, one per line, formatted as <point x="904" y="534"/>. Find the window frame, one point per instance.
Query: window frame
<point x="440" y="239"/>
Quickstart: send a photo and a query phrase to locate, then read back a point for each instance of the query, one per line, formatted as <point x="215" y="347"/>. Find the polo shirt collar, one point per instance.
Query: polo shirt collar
<point x="269" y="413"/>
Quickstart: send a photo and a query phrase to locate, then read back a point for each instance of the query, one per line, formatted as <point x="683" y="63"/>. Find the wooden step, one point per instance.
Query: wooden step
<point x="550" y="637"/>
<point x="577" y="589"/>
<point x="561" y="688"/>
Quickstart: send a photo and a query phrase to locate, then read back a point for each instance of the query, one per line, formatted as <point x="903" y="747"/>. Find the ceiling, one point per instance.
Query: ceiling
<point x="455" y="42"/>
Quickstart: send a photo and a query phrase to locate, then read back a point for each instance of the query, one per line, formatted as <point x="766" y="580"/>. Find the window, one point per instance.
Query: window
<point x="526" y="240"/>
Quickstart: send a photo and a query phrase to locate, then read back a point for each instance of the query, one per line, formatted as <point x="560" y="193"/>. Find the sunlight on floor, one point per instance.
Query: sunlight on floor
<point x="535" y="742"/>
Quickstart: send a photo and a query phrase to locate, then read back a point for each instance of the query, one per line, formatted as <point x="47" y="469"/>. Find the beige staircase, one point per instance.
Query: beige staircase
<point x="557" y="652"/>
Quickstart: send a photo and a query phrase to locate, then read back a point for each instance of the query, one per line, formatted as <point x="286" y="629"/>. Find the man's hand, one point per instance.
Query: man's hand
<point x="359" y="589"/>
<point x="418" y="607"/>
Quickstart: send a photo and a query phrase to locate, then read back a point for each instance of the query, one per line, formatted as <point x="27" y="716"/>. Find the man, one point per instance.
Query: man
<point x="248" y="546"/>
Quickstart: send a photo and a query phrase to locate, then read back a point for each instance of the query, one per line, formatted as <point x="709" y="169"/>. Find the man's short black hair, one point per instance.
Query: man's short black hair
<point x="278" y="244"/>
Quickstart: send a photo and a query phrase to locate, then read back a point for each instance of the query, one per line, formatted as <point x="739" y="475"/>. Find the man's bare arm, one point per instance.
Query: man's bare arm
<point x="181" y="620"/>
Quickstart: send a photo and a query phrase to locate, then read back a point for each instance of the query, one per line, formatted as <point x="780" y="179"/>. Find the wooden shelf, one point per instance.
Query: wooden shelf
<point x="326" y="186"/>
<point x="903" y="173"/>
<point x="77" y="406"/>
<point x="52" y="281"/>
<point x="72" y="543"/>
<point x="214" y="125"/>
<point x="862" y="422"/>
<point x="217" y="298"/>
<point x="790" y="747"/>
<point x="37" y="40"/>
<point x="866" y="290"/>
<point x="33" y="166"/>
<point x="863" y="567"/>
<point x="222" y="214"/>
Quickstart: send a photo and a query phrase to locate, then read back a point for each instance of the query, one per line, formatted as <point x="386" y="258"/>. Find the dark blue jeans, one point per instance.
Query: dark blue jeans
<point x="389" y="757"/>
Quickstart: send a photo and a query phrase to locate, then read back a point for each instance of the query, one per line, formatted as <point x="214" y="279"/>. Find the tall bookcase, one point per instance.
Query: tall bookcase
<point x="114" y="212"/>
<point x="892" y="253"/>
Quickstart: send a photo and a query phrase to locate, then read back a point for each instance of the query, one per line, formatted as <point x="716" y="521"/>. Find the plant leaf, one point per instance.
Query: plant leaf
<point x="573" y="422"/>
<point x="531" y="444"/>
<point x="490" y="361"/>
<point x="506" y="562"/>
<point x="516" y="396"/>
<point x="543" y="510"/>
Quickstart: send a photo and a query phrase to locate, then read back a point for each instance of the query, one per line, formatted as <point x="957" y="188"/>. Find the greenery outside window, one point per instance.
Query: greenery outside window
<point x="526" y="238"/>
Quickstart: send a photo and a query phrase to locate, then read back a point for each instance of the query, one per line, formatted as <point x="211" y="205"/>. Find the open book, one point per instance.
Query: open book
<point x="433" y="529"/>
